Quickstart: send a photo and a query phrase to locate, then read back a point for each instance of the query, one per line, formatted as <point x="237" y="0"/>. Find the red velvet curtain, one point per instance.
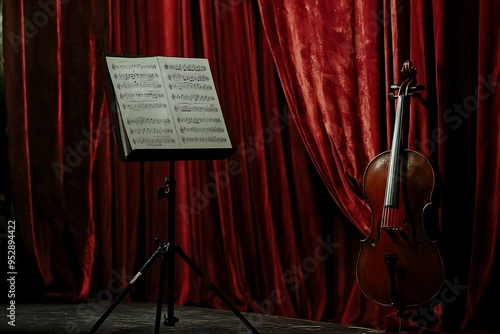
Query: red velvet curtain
<point x="54" y="108"/>
<point x="232" y="215"/>
<point x="260" y="225"/>
<point x="336" y="70"/>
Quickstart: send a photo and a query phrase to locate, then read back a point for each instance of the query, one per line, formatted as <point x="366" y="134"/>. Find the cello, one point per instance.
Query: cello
<point x="398" y="266"/>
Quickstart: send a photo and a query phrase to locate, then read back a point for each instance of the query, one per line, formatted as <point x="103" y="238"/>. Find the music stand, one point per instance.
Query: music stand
<point x="166" y="250"/>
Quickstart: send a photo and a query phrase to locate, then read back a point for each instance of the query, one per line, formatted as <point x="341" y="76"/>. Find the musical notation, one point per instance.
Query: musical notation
<point x="189" y="86"/>
<point x="209" y="139"/>
<point x="199" y="107"/>
<point x="187" y="77"/>
<point x="185" y="67"/>
<point x="194" y="129"/>
<point x="138" y="106"/>
<point x="151" y="131"/>
<point x="156" y="141"/>
<point x="141" y="96"/>
<point x="142" y="67"/>
<point x="193" y="97"/>
<point x="154" y="96"/>
<point x="136" y="76"/>
<point x="143" y="85"/>
<point x="148" y="121"/>
<point x="198" y="120"/>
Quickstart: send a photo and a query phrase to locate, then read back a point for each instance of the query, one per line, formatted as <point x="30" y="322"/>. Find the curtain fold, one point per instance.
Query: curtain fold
<point x="53" y="187"/>
<point x="484" y="272"/>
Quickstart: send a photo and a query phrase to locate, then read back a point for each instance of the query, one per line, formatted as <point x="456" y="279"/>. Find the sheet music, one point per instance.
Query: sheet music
<point x="195" y="107"/>
<point x="143" y="104"/>
<point x="167" y="102"/>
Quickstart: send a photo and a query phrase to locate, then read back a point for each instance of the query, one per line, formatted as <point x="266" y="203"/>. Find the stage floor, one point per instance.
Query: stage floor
<point x="140" y="318"/>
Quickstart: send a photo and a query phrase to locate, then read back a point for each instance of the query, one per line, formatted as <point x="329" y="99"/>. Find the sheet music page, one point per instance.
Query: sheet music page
<point x="143" y="103"/>
<point x="123" y="133"/>
<point x="195" y="106"/>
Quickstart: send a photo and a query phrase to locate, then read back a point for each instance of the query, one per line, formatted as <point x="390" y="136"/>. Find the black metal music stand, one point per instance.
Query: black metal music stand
<point x="167" y="252"/>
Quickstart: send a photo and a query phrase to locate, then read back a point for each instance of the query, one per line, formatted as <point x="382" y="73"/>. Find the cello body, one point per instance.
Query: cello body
<point x="419" y="271"/>
<point x="398" y="265"/>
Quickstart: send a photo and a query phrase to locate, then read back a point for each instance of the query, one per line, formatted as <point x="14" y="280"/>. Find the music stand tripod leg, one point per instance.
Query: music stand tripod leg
<point x="170" y="320"/>
<point x="162" y="250"/>
<point x="169" y="193"/>
<point x="214" y="288"/>
<point x="164" y="260"/>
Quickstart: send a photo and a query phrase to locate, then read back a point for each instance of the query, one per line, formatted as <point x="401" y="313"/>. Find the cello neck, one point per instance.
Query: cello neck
<point x="392" y="187"/>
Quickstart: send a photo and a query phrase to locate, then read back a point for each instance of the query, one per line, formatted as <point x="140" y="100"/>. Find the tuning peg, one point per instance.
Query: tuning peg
<point x="391" y="96"/>
<point x="417" y="88"/>
<point x="394" y="87"/>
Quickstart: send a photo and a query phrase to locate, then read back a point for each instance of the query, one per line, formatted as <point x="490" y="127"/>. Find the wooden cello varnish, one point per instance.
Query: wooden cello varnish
<point x="398" y="265"/>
